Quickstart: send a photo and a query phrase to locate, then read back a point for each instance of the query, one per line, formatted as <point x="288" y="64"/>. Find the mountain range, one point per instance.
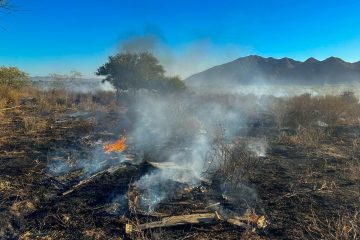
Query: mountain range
<point x="255" y="69"/>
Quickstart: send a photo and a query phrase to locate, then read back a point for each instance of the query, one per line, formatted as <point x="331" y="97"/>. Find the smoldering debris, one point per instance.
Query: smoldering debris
<point x="186" y="129"/>
<point x="177" y="136"/>
<point x="195" y="204"/>
<point x="259" y="146"/>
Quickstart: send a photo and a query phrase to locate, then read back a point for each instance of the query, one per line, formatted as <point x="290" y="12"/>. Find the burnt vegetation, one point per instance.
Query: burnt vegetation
<point x="289" y="169"/>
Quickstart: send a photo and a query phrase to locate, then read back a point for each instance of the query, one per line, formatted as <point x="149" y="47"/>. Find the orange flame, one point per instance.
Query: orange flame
<point x="117" y="146"/>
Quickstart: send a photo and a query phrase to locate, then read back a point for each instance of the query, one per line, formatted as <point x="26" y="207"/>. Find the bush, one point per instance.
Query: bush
<point x="12" y="77"/>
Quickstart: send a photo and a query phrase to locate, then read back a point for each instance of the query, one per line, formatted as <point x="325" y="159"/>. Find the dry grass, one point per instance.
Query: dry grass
<point x="305" y="137"/>
<point x="232" y="163"/>
<point x="34" y="124"/>
<point x="345" y="225"/>
<point x="278" y="107"/>
<point x="55" y="100"/>
<point x="29" y="114"/>
<point x="10" y="96"/>
<point x="306" y="110"/>
<point x="353" y="164"/>
<point x="5" y="186"/>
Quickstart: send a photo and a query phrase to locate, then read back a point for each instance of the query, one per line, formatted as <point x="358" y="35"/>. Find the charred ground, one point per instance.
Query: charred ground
<point x="307" y="183"/>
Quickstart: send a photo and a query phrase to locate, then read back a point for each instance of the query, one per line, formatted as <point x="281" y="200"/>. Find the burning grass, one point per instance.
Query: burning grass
<point x="118" y="146"/>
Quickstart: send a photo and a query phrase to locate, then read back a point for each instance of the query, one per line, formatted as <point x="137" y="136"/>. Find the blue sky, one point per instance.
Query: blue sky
<point x="42" y="36"/>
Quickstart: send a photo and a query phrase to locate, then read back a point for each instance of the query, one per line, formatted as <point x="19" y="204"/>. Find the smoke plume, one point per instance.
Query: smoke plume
<point x="183" y="59"/>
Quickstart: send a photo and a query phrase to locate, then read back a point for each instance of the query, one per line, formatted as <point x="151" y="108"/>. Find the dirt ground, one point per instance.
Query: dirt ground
<point x="304" y="192"/>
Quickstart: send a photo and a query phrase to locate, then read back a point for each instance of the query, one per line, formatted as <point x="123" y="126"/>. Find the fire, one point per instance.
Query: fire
<point x="117" y="146"/>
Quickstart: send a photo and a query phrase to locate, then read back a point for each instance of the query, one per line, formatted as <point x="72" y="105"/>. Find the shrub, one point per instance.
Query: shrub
<point x="13" y="78"/>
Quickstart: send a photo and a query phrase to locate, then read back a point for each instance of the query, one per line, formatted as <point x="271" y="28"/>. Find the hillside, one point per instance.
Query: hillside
<point x="255" y="69"/>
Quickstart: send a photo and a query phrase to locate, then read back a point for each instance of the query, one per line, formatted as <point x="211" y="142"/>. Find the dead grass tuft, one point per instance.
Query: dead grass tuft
<point x="21" y="208"/>
<point x="353" y="164"/>
<point x="306" y="110"/>
<point x="305" y="137"/>
<point x="5" y="186"/>
<point x="233" y="162"/>
<point x="344" y="225"/>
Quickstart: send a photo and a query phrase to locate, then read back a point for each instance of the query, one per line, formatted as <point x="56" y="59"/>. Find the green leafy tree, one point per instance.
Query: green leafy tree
<point x="168" y="84"/>
<point x="134" y="71"/>
<point x="14" y="78"/>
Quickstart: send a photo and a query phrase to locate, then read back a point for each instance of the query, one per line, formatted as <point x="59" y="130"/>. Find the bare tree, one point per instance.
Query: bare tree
<point x="4" y="4"/>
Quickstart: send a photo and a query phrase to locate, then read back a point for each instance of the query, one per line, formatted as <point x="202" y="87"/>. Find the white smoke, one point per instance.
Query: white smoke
<point x="258" y="146"/>
<point x="188" y="58"/>
<point x="181" y="130"/>
<point x="63" y="161"/>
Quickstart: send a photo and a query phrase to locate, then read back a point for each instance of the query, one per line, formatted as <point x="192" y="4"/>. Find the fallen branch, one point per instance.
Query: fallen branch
<point x="151" y="214"/>
<point x="259" y="222"/>
<point x="243" y="221"/>
<point x="203" y="218"/>
<point x="176" y="203"/>
<point x="91" y="178"/>
<point x="4" y="109"/>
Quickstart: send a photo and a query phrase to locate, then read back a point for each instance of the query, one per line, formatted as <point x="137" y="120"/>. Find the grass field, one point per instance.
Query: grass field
<point x="305" y="180"/>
